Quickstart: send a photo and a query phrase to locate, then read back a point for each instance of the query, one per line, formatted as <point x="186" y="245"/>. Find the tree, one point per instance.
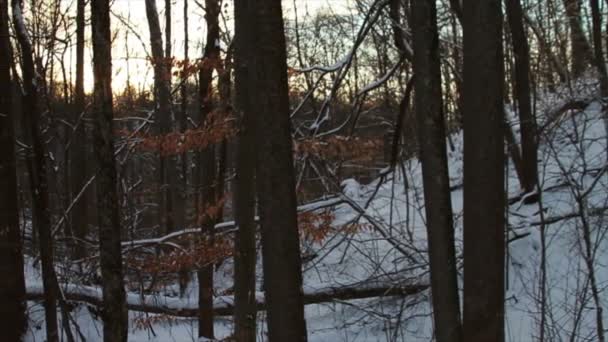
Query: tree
<point x="12" y="285"/>
<point x="432" y="142"/>
<point x="522" y="89"/>
<point x="484" y="196"/>
<point x="37" y="170"/>
<point x="244" y="198"/>
<point x="597" y="45"/>
<point x="78" y="146"/>
<point x="206" y="165"/>
<point x="162" y="98"/>
<point x="580" y="50"/>
<point x="275" y="179"/>
<point x="115" y="319"/>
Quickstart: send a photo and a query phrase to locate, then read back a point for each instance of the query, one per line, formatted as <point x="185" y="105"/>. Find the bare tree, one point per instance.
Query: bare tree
<point x="484" y="240"/>
<point x="206" y="164"/>
<point x="438" y="204"/>
<point x="600" y="62"/>
<point x="12" y="284"/>
<point x="522" y="89"/>
<point x="580" y="50"/>
<point x="78" y="145"/>
<point x="244" y="198"/>
<point x="162" y="97"/>
<point x="37" y="170"/>
<point x="275" y="179"/>
<point x="115" y="319"/>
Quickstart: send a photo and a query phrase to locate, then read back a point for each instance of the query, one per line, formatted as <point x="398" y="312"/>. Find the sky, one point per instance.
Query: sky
<point x="129" y="50"/>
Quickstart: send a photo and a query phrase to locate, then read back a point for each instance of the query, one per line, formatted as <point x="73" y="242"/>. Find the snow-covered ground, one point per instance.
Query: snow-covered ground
<point x="388" y="248"/>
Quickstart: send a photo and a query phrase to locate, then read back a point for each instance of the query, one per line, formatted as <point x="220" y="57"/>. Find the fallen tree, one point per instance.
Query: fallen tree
<point x="223" y="305"/>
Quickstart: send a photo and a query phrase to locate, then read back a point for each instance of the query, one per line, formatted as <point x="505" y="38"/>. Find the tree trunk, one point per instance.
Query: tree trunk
<point x="181" y="210"/>
<point x="168" y="30"/>
<point x="522" y="89"/>
<point x="484" y="198"/>
<point x="580" y="50"/>
<point x="207" y="163"/>
<point x="597" y="44"/>
<point x="36" y="165"/>
<point x="78" y="145"/>
<point x="162" y="98"/>
<point x="245" y="245"/>
<point x="275" y="179"/>
<point x="115" y="318"/>
<point x="13" y="321"/>
<point x="438" y="204"/>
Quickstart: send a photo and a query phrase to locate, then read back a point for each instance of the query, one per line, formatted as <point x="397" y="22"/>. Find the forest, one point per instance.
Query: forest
<point x="303" y="170"/>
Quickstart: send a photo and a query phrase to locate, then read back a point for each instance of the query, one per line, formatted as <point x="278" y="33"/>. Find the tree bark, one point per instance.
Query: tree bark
<point x="36" y="165"/>
<point x="432" y="142"/>
<point x="168" y="31"/>
<point x="207" y="163"/>
<point x="580" y="50"/>
<point x="162" y="98"/>
<point x="13" y="320"/>
<point x="78" y="145"/>
<point x="275" y="179"/>
<point x="484" y="240"/>
<point x="522" y="90"/>
<point x="600" y="62"/>
<point x="244" y="199"/>
<point x="115" y="318"/>
<point x="181" y="210"/>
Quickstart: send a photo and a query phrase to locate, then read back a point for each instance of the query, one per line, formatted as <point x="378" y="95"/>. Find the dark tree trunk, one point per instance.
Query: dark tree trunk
<point x="432" y="142"/>
<point x="181" y="210"/>
<point x="207" y="163"/>
<point x="115" y="319"/>
<point x="275" y="179"/>
<point x="78" y="144"/>
<point x="168" y="30"/>
<point x="12" y="284"/>
<point x="580" y="50"/>
<point x="522" y="89"/>
<point x="162" y="98"/>
<point x="597" y="44"/>
<point x="456" y="7"/>
<point x="36" y="165"/>
<point x="484" y="198"/>
<point x="244" y="200"/>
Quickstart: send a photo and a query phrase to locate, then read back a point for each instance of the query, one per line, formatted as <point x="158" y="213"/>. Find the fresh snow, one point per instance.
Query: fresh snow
<point x="368" y="256"/>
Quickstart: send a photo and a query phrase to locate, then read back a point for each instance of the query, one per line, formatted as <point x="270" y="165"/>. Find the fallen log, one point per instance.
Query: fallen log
<point x="223" y="305"/>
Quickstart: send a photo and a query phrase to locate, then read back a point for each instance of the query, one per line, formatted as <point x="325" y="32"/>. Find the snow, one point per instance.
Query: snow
<point x="572" y="163"/>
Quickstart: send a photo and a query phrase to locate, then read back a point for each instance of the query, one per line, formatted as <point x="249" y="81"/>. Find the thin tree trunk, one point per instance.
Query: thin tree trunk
<point x="522" y="90"/>
<point x="245" y="244"/>
<point x="162" y="97"/>
<point x="181" y="209"/>
<point x="115" y="319"/>
<point x="78" y="144"/>
<point x="580" y="50"/>
<point x="513" y="148"/>
<point x="168" y="30"/>
<point x="36" y="165"/>
<point x="207" y="163"/>
<point x="438" y="204"/>
<point x="13" y="321"/>
<point x="600" y="62"/>
<point x="484" y="240"/>
<point x="275" y="179"/>
<point x="183" y="120"/>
